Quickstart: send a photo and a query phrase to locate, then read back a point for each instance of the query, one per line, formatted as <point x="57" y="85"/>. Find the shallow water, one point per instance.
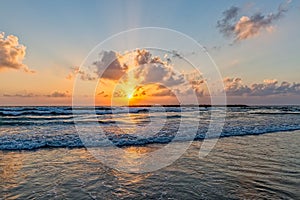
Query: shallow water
<point x="23" y="128"/>
<point x="242" y="167"/>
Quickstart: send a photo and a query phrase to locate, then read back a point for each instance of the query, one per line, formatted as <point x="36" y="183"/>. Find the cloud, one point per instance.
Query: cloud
<point x="102" y="94"/>
<point x="190" y="84"/>
<point x="225" y="25"/>
<point x="244" y="27"/>
<point x="132" y="69"/>
<point x="82" y="74"/>
<point x="154" y="70"/>
<point x="21" y="95"/>
<point x="30" y="94"/>
<point x="235" y="87"/>
<point x="139" y="91"/>
<point x="59" y="94"/>
<point x="147" y="68"/>
<point x="12" y="53"/>
<point x="139" y="72"/>
<point x="109" y="66"/>
<point x="119" y="93"/>
<point x="142" y="57"/>
<point x="176" y="54"/>
<point x="159" y="91"/>
<point x="196" y="84"/>
<point x="158" y="73"/>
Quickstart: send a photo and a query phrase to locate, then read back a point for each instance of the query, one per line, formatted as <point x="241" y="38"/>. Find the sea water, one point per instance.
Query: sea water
<point x="43" y="157"/>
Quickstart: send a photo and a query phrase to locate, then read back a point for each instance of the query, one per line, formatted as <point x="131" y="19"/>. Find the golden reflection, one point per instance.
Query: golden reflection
<point x="134" y="156"/>
<point x="138" y="151"/>
<point x="131" y="157"/>
<point x="10" y="165"/>
<point x="128" y="159"/>
<point x="130" y="178"/>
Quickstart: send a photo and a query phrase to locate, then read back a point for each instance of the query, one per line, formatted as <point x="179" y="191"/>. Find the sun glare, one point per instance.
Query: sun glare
<point x="130" y="95"/>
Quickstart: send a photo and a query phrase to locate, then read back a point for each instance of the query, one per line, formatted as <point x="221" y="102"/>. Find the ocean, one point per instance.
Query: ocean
<point x="43" y="155"/>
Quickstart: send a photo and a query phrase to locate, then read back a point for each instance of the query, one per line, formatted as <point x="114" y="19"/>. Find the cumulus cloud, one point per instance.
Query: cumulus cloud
<point x="152" y="69"/>
<point x="129" y="70"/>
<point x="12" y="53"/>
<point x="192" y="84"/>
<point x="82" y="74"/>
<point x="196" y="84"/>
<point x="145" y="67"/>
<point x="109" y="66"/>
<point x="235" y="87"/>
<point x="142" y="57"/>
<point x="158" y="73"/>
<point x="244" y="27"/>
<point x="113" y="65"/>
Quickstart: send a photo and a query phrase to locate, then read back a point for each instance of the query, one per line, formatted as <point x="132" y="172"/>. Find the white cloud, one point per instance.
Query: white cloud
<point x="12" y="53"/>
<point x="235" y="87"/>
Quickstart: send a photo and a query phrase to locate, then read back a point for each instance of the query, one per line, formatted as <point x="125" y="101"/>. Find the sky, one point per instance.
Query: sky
<point x="45" y="51"/>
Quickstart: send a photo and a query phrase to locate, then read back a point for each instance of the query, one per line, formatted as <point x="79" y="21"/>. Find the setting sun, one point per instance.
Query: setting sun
<point x="130" y="95"/>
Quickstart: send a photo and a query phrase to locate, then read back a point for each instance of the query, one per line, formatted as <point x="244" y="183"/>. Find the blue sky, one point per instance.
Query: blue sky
<point x="59" y="34"/>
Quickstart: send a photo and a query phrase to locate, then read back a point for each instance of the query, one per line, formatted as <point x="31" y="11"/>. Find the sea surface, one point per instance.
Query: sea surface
<point x="27" y="128"/>
<point x="42" y="155"/>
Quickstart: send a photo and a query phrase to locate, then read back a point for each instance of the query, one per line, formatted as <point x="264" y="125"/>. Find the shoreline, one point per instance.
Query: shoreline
<point x="269" y="161"/>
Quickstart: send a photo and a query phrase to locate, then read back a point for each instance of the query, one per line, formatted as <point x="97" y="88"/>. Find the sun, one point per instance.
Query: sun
<point x="130" y="95"/>
<point x="127" y="85"/>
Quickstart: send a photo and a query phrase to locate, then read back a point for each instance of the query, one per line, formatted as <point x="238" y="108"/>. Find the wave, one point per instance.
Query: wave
<point x="54" y="122"/>
<point x="77" y="111"/>
<point x="25" y="128"/>
<point x="119" y="140"/>
<point x="275" y="113"/>
<point x="56" y="111"/>
<point x="34" y="113"/>
<point x="35" y="123"/>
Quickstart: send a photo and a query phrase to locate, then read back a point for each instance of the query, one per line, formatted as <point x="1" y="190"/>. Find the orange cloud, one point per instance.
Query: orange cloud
<point x="244" y="27"/>
<point x="135" y="76"/>
<point x="12" y="53"/>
